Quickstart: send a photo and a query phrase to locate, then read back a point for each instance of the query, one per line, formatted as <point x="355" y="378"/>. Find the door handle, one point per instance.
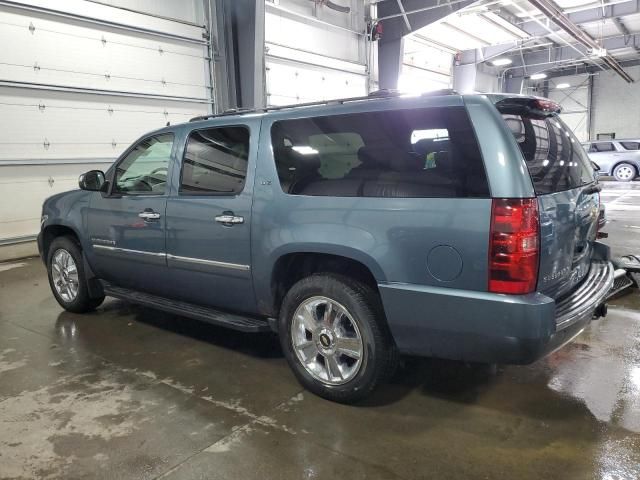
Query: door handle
<point x="148" y="215"/>
<point x="228" y="218"/>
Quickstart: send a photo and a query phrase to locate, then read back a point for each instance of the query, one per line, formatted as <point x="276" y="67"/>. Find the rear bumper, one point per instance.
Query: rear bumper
<point x="485" y="327"/>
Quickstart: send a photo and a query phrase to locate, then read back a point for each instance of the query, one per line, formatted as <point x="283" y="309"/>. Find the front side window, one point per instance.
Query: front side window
<point x="555" y="159"/>
<point x="215" y="161"/>
<point x="416" y="153"/>
<point x="603" y="147"/>
<point x="144" y="170"/>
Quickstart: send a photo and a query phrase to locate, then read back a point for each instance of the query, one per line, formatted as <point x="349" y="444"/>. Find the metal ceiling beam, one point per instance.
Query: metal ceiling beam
<point x="587" y="69"/>
<point x="404" y="15"/>
<point x="484" y="54"/>
<point x="554" y="13"/>
<point x="552" y="60"/>
<point x="419" y="13"/>
<point x="392" y="15"/>
<point x="464" y="33"/>
<point x="621" y="26"/>
<point x="595" y="14"/>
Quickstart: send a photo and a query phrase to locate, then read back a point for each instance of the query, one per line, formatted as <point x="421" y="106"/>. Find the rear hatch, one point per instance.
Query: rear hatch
<point x="565" y="185"/>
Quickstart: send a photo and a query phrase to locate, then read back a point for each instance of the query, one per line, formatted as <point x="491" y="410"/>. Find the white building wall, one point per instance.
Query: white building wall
<point x="574" y="101"/>
<point x="616" y="104"/>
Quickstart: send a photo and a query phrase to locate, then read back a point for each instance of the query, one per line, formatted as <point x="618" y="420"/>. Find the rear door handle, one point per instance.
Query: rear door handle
<point x="228" y="218"/>
<point x="149" y="215"/>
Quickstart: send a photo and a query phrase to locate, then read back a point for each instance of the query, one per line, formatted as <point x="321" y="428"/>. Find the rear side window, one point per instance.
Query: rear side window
<point x="215" y="161"/>
<point x="554" y="157"/>
<point x="417" y="153"/>
<point x="603" y="147"/>
<point x="630" y="145"/>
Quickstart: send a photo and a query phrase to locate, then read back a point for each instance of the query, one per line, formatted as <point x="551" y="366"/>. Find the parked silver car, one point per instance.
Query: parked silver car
<point x="619" y="158"/>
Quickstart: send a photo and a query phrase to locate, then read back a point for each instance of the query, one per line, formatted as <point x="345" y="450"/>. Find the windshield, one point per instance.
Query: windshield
<point x="555" y="158"/>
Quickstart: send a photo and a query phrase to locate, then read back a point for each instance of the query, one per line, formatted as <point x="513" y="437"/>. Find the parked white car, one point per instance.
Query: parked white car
<point x="618" y="158"/>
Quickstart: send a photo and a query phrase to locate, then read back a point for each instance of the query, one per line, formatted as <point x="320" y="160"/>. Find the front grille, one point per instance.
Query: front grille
<point x="592" y="291"/>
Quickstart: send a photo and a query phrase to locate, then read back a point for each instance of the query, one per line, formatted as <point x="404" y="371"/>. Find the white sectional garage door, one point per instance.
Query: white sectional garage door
<point x="79" y="82"/>
<point x="314" y="53"/>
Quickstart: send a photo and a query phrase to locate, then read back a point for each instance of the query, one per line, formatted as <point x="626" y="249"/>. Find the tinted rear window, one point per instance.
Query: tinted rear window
<point x="402" y="153"/>
<point x="630" y="145"/>
<point x="554" y="157"/>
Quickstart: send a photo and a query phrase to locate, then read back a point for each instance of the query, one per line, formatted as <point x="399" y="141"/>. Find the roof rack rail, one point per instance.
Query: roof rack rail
<point x="376" y="95"/>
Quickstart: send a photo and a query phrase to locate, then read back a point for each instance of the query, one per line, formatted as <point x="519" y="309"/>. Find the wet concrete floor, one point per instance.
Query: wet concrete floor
<point x="129" y="392"/>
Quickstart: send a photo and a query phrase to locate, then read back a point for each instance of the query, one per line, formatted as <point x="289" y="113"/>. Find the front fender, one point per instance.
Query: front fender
<point x="67" y="210"/>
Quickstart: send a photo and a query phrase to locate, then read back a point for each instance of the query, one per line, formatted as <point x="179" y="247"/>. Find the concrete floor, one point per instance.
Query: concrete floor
<point x="128" y="392"/>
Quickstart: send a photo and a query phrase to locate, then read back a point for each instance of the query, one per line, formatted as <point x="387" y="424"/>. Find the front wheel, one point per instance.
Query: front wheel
<point x="334" y="336"/>
<point x="624" y="172"/>
<point x="67" y="278"/>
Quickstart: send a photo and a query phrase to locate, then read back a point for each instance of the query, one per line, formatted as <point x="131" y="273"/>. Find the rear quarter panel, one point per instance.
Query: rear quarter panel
<point x="425" y="241"/>
<point x="505" y="166"/>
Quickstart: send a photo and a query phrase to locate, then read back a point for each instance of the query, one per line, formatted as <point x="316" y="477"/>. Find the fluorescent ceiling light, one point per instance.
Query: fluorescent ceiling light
<point x="538" y="76"/>
<point x="563" y="85"/>
<point x="501" y="62"/>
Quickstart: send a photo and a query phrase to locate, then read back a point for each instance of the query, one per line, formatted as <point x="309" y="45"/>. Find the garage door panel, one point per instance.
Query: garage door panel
<point x="295" y="83"/>
<point x="101" y="12"/>
<point x="28" y="187"/>
<point x="47" y="136"/>
<point x="51" y="30"/>
<point x="79" y="125"/>
<point x="66" y="53"/>
<point x="103" y="82"/>
<point x="304" y="35"/>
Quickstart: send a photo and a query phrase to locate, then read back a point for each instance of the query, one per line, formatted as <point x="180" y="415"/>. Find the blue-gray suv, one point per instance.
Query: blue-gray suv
<point x="454" y="226"/>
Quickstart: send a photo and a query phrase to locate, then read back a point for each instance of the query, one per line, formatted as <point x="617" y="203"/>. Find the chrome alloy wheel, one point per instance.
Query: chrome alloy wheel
<point x="625" y="172"/>
<point x="64" y="273"/>
<point x="327" y="340"/>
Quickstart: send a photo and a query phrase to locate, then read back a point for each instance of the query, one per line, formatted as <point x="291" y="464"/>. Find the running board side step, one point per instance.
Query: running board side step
<point x="205" y="314"/>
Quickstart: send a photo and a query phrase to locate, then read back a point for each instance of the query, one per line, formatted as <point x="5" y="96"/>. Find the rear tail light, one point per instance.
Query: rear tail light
<point x="514" y="245"/>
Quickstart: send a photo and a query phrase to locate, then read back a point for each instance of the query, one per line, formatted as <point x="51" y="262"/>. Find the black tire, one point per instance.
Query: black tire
<point x="379" y="359"/>
<point x="82" y="301"/>
<point x="621" y="172"/>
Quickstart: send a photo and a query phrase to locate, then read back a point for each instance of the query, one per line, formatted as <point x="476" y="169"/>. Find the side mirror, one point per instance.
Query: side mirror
<point x="93" y="181"/>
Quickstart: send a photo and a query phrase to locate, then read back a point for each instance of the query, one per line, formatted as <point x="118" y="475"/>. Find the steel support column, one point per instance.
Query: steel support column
<point x="237" y="28"/>
<point x="390" y="52"/>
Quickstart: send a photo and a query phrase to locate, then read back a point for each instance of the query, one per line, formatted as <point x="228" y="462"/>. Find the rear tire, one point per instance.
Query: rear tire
<point x="67" y="279"/>
<point x="624" y="172"/>
<point x="334" y="337"/>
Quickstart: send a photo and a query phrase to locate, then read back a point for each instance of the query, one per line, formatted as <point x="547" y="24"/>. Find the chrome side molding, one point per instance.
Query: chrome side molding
<point x="176" y="258"/>
<point x="128" y="250"/>
<point x="212" y="263"/>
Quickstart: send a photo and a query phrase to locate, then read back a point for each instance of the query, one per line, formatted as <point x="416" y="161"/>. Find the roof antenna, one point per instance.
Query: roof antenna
<point x="168" y="124"/>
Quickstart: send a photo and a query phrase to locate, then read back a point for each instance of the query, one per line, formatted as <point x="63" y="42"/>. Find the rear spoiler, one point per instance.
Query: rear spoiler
<point x="529" y="106"/>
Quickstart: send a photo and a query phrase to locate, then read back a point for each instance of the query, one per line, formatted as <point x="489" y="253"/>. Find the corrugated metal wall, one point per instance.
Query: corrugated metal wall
<point x="79" y="81"/>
